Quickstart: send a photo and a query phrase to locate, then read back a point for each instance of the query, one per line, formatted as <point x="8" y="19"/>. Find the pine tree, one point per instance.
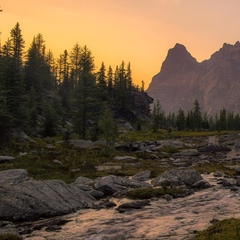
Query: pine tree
<point x="13" y="76"/>
<point x="181" y="121"/>
<point x="102" y="83"/>
<point x="197" y="115"/>
<point x="66" y="84"/>
<point x="75" y="65"/>
<point x="223" y="119"/>
<point x="157" y="117"/>
<point x="129" y="77"/>
<point x="87" y="108"/>
<point x="108" y="128"/>
<point x="110" y="85"/>
<point x="50" y="119"/>
<point x="37" y="72"/>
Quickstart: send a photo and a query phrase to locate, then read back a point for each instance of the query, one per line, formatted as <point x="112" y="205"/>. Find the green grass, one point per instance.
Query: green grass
<point x="227" y="229"/>
<point x="81" y="162"/>
<point x="163" y="134"/>
<point x="143" y="135"/>
<point x="214" y="167"/>
<point x="8" y="236"/>
<point x="197" y="133"/>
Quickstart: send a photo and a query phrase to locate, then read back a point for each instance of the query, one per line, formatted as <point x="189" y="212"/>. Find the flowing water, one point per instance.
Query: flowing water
<point x="175" y="220"/>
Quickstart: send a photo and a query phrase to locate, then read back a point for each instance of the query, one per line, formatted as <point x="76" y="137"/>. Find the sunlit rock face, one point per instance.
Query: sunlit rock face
<point x="215" y="83"/>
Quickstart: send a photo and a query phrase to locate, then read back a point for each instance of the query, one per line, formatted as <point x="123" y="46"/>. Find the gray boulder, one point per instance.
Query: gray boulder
<point x="142" y="176"/>
<point x="129" y="206"/>
<point x="170" y="143"/>
<point x="214" y="148"/>
<point x="4" y="159"/>
<point x="13" y="176"/>
<point x="85" y="184"/>
<point x="8" y="228"/>
<point x="111" y="184"/>
<point x="34" y="199"/>
<point x="202" y="184"/>
<point x="78" y="143"/>
<point x="235" y="168"/>
<point x="176" y="178"/>
<point x="83" y="181"/>
<point x="126" y="159"/>
<point x="188" y="152"/>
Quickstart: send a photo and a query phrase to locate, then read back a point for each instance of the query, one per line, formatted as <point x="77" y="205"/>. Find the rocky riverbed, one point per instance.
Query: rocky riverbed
<point x="101" y="209"/>
<point x="176" y="219"/>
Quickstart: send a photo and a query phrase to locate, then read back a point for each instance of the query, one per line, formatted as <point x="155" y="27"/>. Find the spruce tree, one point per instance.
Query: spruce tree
<point x="181" y="121"/>
<point x="110" y="85"/>
<point x="87" y="108"/>
<point x="13" y="76"/>
<point x="197" y="115"/>
<point x="102" y="83"/>
<point x="108" y="129"/>
<point x="157" y="117"/>
<point x="223" y="119"/>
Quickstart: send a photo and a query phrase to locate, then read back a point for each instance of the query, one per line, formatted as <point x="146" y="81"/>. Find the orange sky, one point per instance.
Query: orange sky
<point x="139" y="31"/>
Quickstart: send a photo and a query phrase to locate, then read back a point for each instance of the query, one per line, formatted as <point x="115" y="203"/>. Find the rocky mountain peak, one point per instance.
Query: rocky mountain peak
<point x="214" y="82"/>
<point x="178" y="58"/>
<point x="227" y="51"/>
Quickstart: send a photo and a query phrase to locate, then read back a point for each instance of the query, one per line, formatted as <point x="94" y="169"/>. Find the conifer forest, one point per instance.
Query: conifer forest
<point x="44" y="96"/>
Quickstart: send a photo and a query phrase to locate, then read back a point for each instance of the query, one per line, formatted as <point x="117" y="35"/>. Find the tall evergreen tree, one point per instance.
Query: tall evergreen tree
<point x="110" y="83"/>
<point x="102" y="83"/>
<point x="13" y="76"/>
<point x="223" y="119"/>
<point x="108" y="128"/>
<point x="197" y="115"/>
<point x="75" y="65"/>
<point x="181" y="121"/>
<point x="157" y="117"/>
<point x="35" y="66"/>
<point x="129" y="77"/>
<point x="86" y="103"/>
<point x="66" y="84"/>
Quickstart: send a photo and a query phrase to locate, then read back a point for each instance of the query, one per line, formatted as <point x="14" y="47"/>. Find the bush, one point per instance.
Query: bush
<point x="227" y="229"/>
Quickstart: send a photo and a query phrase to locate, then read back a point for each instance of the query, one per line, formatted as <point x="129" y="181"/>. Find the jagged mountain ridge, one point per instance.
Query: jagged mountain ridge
<point x="215" y="83"/>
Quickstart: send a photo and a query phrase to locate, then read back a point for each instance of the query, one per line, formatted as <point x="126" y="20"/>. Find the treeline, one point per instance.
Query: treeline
<point x="194" y="119"/>
<point x="40" y="94"/>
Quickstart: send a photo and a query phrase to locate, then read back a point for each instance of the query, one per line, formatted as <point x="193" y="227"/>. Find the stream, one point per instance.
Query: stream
<point x="177" y="219"/>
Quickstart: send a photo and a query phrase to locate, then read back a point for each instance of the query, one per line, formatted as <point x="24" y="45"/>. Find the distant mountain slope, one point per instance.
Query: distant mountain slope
<point x="215" y="83"/>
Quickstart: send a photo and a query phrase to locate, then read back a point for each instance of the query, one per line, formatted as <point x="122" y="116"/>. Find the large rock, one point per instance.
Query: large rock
<point x="129" y="206"/>
<point x="34" y="199"/>
<point x="214" y="148"/>
<point x="125" y="159"/>
<point x="170" y="143"/>
<point x="176" y="178"/>
<point x="111" y="184"/>
<point x="142" y="176"/>
<point x="9" y="228"/>
<point x="13" y="176"/>
<point x="188" y="152"/>
<point x="4" y="159"/>
<point x="79" y="143"/>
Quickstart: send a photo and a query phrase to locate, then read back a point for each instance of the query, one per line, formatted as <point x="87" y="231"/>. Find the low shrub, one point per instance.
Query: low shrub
<point x="8" y="236"/>
<point x="227" y="229"/>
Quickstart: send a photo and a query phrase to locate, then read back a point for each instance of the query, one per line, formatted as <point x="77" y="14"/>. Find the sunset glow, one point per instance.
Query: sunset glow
<point x="136" y="31"/>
